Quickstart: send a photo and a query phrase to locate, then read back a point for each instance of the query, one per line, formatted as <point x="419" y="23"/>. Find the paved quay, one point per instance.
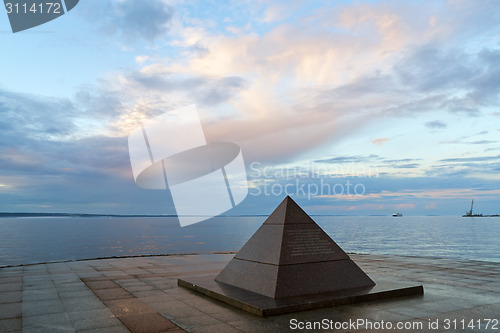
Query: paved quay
<point x="140" y="294"/>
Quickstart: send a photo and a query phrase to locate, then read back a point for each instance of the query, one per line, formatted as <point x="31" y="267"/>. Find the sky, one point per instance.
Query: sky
<point x="350" y="107"/>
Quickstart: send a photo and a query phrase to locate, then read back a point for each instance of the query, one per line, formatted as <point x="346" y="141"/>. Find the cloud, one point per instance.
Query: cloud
<point x="434" y="68"/>
<point x="468" y="77"/>
<point x="446" y="193"/>
<point x="379" y="141"/>
<point x="482" y="142"/>
<point x="403" y="160"/>
<point x="436" y="124"/>
<point x="466" y="139"/>
<point x="62" y="171"/>
<point x="407" y="206"/>
<point x="280" y="85"/>
<point x="349" y="159"/>
<point x="130" y="19"/>
<point x="319" y="78"/>
<point x="407" y="166"/>
<point x="31" y="117"/>
<point x="205" y="90"/>
<point x="48" y="136"/>
<point x="275" y="13"/>
<point x="472" y="159"/>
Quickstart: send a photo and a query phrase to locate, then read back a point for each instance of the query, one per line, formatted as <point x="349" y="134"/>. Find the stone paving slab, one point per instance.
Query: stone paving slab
<point x="141" y="295"/>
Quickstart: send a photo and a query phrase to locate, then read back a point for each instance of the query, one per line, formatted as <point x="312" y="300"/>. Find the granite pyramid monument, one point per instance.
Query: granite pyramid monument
<point x="290" y="255"/>
<point x="290" y="264"/>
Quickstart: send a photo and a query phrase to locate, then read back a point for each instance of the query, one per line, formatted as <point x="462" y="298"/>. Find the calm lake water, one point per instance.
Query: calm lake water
<point x="34" y="240"/>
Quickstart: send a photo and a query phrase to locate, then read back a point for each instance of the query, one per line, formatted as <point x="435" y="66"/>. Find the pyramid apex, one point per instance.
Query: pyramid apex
<point x="287" y="200"/>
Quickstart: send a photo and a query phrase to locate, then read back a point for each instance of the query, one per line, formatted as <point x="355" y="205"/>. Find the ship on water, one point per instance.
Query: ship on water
<point x="471" y="214"/>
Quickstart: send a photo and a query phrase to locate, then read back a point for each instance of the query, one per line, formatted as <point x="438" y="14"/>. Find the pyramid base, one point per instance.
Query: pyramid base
<point x="276" y="281"/>
<point x="265" y="306"/>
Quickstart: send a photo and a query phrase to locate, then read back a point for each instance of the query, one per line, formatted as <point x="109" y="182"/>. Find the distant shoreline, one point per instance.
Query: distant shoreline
<point x="19" y="214"/>
<point x="481" y="215"/>
<point x="77" y="215"/>
<point x="3" y="214"/>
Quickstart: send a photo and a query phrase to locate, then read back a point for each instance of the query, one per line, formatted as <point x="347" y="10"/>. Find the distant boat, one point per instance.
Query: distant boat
<point x="397" y="215"/>
<point x="471" y="214"/>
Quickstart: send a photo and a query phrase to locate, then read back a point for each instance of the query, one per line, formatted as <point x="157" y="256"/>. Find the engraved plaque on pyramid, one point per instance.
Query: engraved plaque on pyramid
<point x="290" y="264"/>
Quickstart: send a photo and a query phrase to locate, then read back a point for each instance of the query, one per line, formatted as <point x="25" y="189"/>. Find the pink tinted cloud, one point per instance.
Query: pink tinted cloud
<point x="306" y="83"/>
<point x="379" y="141"/>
